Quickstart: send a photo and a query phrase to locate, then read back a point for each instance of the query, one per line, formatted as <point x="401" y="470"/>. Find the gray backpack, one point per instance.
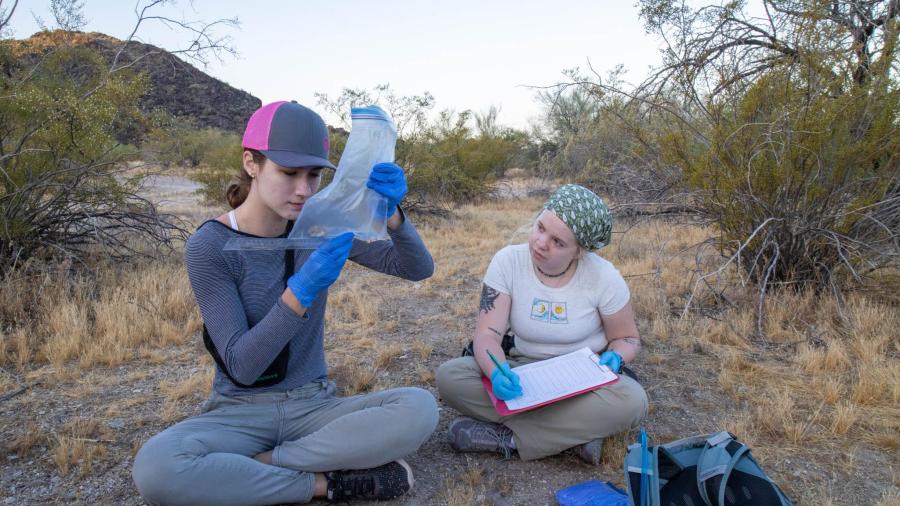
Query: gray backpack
<point x="711" y="470"/>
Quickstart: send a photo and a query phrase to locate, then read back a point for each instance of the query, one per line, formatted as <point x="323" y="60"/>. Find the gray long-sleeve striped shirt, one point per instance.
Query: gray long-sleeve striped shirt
<point x="239" y="295"/>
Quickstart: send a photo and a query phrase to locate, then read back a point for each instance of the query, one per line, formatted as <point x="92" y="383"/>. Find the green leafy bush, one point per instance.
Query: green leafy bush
<point x="219" y="166"/>
<point x="448" y="163"/>
<point x="817" y="174"/>
<point x="176" y="141"/>
<point x="63" y="187"/>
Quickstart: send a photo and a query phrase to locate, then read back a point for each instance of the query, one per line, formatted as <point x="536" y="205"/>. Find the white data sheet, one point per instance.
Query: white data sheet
<point x="559" y="377"/>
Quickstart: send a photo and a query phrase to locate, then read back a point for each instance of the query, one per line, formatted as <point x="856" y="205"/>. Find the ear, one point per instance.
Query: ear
<point x="250" y="167"/>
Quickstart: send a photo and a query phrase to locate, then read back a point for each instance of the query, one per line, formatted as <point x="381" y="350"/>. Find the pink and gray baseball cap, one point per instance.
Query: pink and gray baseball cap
<point x="288" y="134"/>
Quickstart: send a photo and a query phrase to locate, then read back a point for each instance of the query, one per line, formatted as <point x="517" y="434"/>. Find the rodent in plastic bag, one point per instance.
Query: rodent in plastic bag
<point x="346" y="204"/>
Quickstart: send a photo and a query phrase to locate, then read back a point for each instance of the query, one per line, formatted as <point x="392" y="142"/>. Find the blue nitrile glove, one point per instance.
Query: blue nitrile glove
<point x="321" y="269"/>
<point x="612" y="360"/>
<point x="505" y="388"/>
<point x="388" y="180"/>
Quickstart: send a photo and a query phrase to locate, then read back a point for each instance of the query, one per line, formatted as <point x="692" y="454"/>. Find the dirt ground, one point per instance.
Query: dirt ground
<point x="124" y="405"/>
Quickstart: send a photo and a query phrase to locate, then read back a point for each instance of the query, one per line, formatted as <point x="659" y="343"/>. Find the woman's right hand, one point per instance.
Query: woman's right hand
<point x="321" y="269"/>
<point x="505" y="383"/>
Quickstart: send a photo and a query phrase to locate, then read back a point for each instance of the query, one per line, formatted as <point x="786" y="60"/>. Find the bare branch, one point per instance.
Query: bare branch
<point x="735" y="257"/>
<point x="6" y="15"/>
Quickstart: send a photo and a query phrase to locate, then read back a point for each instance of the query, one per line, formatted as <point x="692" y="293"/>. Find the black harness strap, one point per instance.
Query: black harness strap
<point x="277" y="370"/>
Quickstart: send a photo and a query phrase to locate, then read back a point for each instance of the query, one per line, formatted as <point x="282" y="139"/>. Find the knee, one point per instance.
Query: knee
<point x="453" y="375"/>
<point x="634" y="403"/>
<point x="156" y="471"/>
<point x="424" y="410"/>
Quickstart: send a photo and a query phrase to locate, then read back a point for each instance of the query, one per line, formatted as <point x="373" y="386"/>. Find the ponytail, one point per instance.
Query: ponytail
<point x="236" y="193"/>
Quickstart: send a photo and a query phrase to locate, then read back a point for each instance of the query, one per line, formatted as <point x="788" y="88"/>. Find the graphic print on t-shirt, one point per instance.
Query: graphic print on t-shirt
<point x="547" y="311"/>
<point x="540" y="310"/>
<point x="558" y="313"/>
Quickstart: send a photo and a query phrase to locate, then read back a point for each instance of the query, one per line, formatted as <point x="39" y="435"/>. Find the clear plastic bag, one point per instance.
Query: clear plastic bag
<point x="346" y="204"/>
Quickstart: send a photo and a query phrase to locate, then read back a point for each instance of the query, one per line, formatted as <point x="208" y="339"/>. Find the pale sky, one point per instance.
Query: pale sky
<point x="468" y="54"/>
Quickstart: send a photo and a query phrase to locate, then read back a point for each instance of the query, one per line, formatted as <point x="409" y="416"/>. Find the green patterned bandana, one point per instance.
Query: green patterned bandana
<point x="584" y="213"/>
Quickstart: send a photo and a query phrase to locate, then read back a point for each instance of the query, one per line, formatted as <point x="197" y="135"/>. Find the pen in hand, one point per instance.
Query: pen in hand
<point x="494" y="360"/>
<point x="504" y="382"/>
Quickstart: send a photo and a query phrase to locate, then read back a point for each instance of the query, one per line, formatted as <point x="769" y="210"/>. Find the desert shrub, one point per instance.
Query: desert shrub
<point x="177" y="141"/>
<point x="601" y="141"/>
<point x="220" y="165"/>
<point x="64" y="189"/>
<point x="449" y="163"/>
<point x="64" y="112"/>
<point x="816" y="174"/>
<point x="781" y="130"/>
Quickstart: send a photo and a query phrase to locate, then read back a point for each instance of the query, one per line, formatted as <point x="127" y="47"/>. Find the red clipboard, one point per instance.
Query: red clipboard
<point x="503" y="410"/>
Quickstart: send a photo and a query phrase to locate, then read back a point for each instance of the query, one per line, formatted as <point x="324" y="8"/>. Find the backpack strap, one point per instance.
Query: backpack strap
<point x="714" y="462"/>
<point x="277" y="370"/>
<point x="671" y="472"/>
<point x="727" y="474"/>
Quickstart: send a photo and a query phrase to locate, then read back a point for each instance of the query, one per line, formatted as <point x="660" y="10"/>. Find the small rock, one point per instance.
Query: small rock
<point x="116" y="423"/>
<point x="9" y="500"/>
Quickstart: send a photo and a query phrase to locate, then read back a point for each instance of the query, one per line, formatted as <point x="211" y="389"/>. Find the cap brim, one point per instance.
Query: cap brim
<point x="294" y="159"/>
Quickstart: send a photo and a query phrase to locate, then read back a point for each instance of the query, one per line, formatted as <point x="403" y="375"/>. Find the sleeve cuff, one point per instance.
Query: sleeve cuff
<point x="404" y="227"/>
<point x="289" y="314"/>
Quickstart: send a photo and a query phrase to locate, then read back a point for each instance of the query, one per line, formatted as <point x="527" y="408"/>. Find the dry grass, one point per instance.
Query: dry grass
<point x="118" y="314"/>
<point x="196" y="385"/>
<point x="78" y="446"/>
<point x="891" y="498"/>
<point x="32" y="436"/>
<point x="386" y="354"/>
<point x="422" y="349"/>
<point x="466" y="488"/>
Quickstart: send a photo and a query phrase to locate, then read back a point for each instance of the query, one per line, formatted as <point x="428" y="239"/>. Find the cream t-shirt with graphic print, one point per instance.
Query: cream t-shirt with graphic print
<point x="548" y="322"/>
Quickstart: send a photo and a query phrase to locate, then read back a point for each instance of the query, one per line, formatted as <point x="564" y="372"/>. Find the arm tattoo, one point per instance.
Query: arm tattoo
<point x="495" y="331"/>
<point x="634" y="341"/>
<point x="488" y="296"/>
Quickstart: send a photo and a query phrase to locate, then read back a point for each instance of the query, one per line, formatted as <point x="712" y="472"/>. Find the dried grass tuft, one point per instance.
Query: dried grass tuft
<point x="387" y="353"/>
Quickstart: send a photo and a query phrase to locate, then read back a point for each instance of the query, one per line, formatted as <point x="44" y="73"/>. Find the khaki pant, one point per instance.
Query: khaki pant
<point x="550" y="429"/>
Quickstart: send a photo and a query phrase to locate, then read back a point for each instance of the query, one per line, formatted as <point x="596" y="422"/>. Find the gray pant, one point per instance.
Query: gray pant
<point x="550" y="429"/>
<point x="208" y="459"/>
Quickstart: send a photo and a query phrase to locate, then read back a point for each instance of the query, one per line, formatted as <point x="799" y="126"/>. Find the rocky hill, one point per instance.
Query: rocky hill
<point x="177" y="87"/>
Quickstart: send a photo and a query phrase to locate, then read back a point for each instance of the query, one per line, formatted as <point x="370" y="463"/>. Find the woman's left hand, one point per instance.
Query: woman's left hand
<point x="388" y="180"/>
<point x="612" y="360"/>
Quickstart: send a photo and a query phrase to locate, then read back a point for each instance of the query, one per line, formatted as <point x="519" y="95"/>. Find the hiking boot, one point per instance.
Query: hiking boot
<point x="470" y="435"/>
<point x="380" y="483"/>
<point x="591" y="451"/>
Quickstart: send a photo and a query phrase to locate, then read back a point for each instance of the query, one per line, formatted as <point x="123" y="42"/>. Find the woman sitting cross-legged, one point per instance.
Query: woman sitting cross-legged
<point x="554" y="296"/>
<point x="273" y="430"/>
